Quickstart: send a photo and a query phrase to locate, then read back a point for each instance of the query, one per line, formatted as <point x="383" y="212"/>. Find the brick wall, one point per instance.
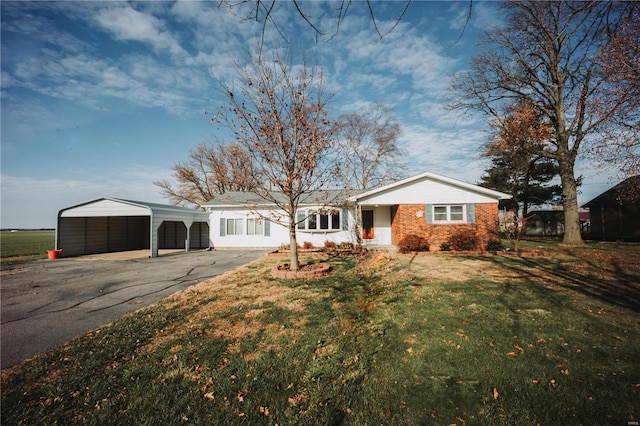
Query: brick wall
<point x="410" y="219"/>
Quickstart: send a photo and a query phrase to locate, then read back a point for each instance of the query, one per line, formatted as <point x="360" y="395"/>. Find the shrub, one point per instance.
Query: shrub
<point x="494" y="245"/>
<point x="445" y="247"/>
<point x="413" y="242"/>
<point x="329" y="245"/>
<point x="464" y="240"/>
<point x="284" y="246"/>
<point x="307" y="245"/>
<point x="345" y="245"/>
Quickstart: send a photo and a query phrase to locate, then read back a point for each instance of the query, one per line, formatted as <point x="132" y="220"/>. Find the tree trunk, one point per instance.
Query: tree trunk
<point x="293" y="243"/>
<point x="572" y="234"/>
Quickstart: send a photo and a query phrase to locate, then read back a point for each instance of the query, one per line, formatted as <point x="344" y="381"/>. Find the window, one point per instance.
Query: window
<point x="448" y="213"/>
<point x="234" y="226"/>
<point x="335" y="219"/>
<point x="255" y="226"/>
<point x="456" y="213"/>
<point x="319" y="220"/>
<point x="301" y="220"/>
<point x="312" y="221"/>
<point x="440" y="213"/>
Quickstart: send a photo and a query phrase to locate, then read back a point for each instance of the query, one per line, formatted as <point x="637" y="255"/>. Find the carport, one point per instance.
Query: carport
<point x="110" y="224"/>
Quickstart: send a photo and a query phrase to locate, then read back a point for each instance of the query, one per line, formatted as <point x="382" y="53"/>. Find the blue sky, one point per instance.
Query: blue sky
<point x="100" y="99"/>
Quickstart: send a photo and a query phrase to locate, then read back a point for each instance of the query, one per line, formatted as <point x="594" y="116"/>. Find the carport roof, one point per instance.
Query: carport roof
<point x="107" y="207"/>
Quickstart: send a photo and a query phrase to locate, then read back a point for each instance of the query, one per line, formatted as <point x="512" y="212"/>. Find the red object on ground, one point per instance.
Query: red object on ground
<point x="54" y="254"/>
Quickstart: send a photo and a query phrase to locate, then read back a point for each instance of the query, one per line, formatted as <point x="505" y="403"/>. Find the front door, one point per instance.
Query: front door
<point x="367" y="224"/>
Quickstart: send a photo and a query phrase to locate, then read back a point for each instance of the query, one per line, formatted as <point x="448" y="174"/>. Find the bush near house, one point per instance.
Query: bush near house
<point x="464" y="240"/>
<point x="329" y="245"/>
<point x="412" y="243"/>
<point x="345" y="245"/>
<point x="494" y="245"/>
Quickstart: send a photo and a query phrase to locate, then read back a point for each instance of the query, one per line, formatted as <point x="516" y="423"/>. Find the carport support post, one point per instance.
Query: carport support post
<point x="187" y="243"/>
<point x="153" y="238"/>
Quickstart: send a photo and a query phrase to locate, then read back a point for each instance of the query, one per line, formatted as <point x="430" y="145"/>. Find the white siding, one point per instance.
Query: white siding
<point x="278" y="233"/>
<point x="426" y="192"/>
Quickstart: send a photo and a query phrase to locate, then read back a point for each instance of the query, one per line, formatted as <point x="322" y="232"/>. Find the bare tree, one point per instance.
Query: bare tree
<point x="278" y="114"/>
<point x="264" y="12"/>
<point x="368" y="144"/>
<point x="621" y="67"/>
<point x="209" y="171"/>
<point x="548" y="53"/>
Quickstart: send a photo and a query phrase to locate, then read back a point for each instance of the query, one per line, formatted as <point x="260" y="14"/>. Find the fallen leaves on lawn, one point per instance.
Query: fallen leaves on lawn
<point x="296" y="399"/>
<point x="494" y="393"/>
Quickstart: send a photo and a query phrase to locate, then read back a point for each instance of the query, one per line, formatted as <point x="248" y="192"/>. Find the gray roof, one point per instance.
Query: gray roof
<point x="311" y="198"/>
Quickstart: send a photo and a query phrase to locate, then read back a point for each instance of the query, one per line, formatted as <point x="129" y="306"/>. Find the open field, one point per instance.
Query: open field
<point x="406" y="339"/>
<point x="25" y="245"/>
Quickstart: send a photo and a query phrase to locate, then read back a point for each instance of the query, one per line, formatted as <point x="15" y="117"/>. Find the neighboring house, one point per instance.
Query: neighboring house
<point x="428" y="204"/>
<point x="615" y="214"/>
<point x="545" y="223"/>
<point x="550" y="223"/>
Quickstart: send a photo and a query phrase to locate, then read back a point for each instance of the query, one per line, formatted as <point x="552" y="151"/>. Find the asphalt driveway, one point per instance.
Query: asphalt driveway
<point x="47" y="303"/>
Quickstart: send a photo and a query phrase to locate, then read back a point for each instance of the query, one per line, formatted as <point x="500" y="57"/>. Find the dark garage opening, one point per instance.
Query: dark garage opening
<point x="92" y="235"/>
<point x="173" y="235"/>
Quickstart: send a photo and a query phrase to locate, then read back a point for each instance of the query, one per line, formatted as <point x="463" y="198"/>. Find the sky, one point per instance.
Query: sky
<point x="101" y="99"/>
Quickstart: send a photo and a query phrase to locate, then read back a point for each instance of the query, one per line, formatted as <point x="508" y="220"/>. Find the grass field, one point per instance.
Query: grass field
<point x="25" y="245"/>
<point x="404" y="340"/>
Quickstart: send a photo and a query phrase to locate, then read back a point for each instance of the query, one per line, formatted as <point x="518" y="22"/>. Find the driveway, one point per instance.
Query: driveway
<point x="47" y="303"/>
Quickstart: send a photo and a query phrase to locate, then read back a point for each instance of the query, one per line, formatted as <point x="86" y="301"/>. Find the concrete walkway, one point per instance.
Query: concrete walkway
<point x="47" y="303"/>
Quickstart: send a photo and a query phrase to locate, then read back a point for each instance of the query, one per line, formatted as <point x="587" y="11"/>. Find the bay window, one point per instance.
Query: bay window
<point x="319" y="220"/>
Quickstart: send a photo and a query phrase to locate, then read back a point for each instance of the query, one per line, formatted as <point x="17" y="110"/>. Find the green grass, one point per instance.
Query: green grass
<point x="25" y="245"/>
<point x="384" y="340"/>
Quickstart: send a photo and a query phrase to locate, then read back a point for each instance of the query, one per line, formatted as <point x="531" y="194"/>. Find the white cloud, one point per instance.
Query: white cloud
<point x="128" y="24"/>
<point x="486" y="15"/>
<point x="453" y="154"/>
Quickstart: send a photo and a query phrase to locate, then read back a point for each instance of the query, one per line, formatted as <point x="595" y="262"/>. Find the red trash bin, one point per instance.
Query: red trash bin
<point x="54" y="254"/>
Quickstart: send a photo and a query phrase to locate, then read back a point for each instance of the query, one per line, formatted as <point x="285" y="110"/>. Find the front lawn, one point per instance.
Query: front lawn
<point x="406" y="339"/>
